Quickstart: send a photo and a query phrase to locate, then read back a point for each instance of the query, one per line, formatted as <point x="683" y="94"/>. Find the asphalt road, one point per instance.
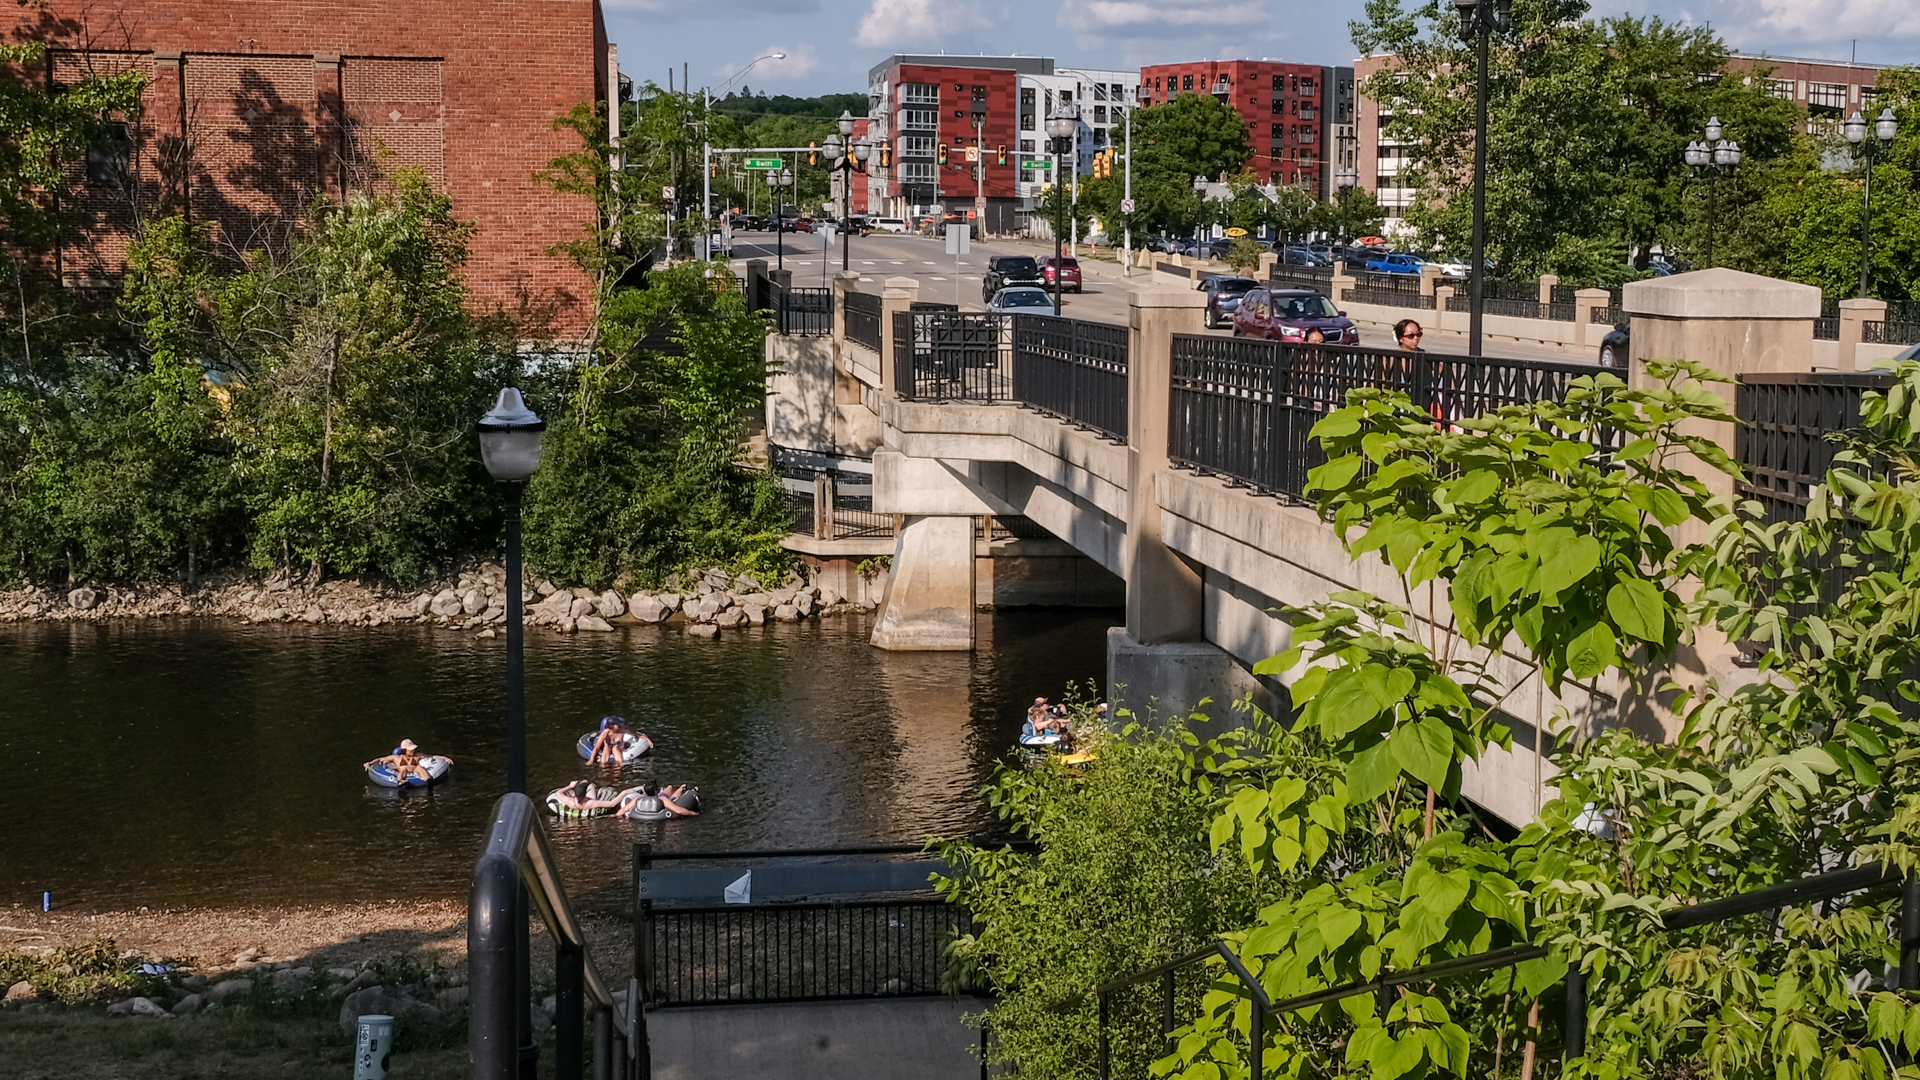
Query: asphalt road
<point x="880" y="256"/>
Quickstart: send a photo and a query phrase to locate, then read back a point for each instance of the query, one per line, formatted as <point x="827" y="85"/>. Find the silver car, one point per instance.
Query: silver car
<point x="1021" y="298"/>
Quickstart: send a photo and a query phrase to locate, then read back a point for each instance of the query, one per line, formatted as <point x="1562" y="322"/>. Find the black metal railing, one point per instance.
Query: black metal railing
<point x="1177" y="271"/>
<point x="1573" y="1025"/>
<point x="863" y="319"/>
<point x="1391" y="290"/>
<point x="952" y="356"/>
<point x="1781" y="442"/>
<point x="516" y="868"/>
<point x="1889" y="332"/>
<point x="830" y="495"/>
<point x="812" y="925"/>
<point x="1318" y="278"/>
<point x="1611" y="315"/>
<point x="801" y="312"/>
<point x="1518" y="309"/>
<point x="1074" y="370"/>
<point x="1825" y="329"/>
<point x="1242" y="409"/>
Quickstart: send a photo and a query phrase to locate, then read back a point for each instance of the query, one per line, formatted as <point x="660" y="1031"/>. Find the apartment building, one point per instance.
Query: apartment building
<point x="1300" y="117"/>
<point x="1103" y="97"/>
<point x="946" y="118"/>
<point x="1829" y="90"/>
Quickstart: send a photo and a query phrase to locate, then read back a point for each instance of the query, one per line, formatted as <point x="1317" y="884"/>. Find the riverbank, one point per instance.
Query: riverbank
<point x="474" y="599"/>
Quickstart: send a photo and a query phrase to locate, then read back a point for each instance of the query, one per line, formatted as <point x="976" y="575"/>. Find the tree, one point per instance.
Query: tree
<point x="1587" y="124"/>
<point x="1353" y="212"/>
<point x="42" y="131"/>
<point x="1173" y="142"/>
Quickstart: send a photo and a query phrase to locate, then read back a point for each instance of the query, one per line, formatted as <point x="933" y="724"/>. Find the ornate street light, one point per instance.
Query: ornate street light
<point x="510" y="444"/>
<point x="1061" y="124"/>
<point x="1885" y="127"/>
<point x="846" y="155"/>
<point x="1713" y="159"/>
<point x="777" y="180"/>
<point x="1479" y="21"/>
<point x="1345" y="179"/>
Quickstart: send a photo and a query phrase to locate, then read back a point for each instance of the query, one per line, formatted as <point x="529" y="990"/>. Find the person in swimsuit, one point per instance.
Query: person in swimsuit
<point x="610" y="746"/>
<point x="578" y="796"/>
<point x="649" y="799"/>
<point x="405" y="762"/>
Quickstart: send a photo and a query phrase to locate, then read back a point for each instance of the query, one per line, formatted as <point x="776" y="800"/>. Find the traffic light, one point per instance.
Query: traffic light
<point x="813" y="154"/>
<point x="713" y="169"/>
<point x="886" y="157"/>
<point x="1003" y="153"/>
<point x="943" y="153"/>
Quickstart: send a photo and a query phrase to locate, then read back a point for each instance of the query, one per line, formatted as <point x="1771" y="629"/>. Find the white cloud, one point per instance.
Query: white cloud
<point x="673" y="10"/>
<point x="1131" y="15"/>
<point x="1839" y="19"/>
<point x="891" y="24"/>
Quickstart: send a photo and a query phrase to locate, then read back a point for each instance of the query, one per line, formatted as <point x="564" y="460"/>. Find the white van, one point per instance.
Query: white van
<point x="887" y="224"/>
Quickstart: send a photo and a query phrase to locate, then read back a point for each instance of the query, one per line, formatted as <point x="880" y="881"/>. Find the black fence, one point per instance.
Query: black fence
<point x="1890" y="332"/>
<point x="1781" y="443"/>
<point x="816" y="483"/>
<point x="952" y="356"/>
<point x="1611" y="315"/>
<point x="863" y="319"/>
<point x="808" y="925"/>
<point x="801" y="312"/>
<point x="1519" y="309"/>
<point x="1391" y="290"/>
<point x="1319" y="278"/>
<point x="1242" y="409"/>
<point x="1074" y="370"/>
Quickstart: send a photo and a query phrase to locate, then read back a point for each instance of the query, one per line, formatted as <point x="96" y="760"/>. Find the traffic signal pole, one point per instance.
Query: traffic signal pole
<point x="1126" y="207"/>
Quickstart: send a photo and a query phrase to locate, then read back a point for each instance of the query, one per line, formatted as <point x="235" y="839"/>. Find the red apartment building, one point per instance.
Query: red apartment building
<point x="926" y="108"/>
<point x="252" y="109"/>
<point x="1293" y="111"/>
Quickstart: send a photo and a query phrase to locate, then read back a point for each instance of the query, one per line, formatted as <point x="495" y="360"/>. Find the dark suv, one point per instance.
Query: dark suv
<point x="1005" y="270"/>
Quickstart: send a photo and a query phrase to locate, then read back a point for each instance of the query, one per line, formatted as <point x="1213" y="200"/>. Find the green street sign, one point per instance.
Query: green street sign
<point x="763" y="163"/>
<point x="1036" y="164"/>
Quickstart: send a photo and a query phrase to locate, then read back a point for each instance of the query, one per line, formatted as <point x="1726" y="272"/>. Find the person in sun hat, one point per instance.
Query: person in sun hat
<point x="404" y="761"/>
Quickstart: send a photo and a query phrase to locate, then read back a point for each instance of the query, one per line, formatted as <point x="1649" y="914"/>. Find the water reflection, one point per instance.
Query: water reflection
<point x="176" y="763"/>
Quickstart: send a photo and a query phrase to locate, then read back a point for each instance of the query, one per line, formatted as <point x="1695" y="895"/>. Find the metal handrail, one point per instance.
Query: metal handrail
<point x="515" y="866"/>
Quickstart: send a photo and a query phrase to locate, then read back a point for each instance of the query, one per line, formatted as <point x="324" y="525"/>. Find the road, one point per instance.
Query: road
<point x="884" y="255"/>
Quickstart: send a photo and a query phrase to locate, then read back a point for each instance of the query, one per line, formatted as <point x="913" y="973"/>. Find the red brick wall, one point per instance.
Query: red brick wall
<point x="955" y="179"/>
<point x="243" y="119"/>
<point x="1296" y="156"/>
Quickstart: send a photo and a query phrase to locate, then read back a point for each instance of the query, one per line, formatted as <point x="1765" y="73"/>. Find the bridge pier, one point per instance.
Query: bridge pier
<point x="930" y="593"/>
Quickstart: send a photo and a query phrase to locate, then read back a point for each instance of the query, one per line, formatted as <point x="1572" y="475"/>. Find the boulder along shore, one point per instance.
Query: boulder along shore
<point x="475" y="599"/>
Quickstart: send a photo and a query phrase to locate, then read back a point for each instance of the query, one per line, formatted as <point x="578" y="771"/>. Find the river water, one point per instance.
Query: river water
<point x="187" y="763"/>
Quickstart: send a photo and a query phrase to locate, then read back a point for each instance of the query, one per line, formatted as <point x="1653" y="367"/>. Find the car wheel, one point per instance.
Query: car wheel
<point x="1606" y="354"/>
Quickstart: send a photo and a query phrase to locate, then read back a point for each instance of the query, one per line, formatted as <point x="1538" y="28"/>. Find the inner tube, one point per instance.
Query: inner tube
<point x="649" y="808"/>
<point x="560" y="809"/>
<point x="1040" y="740"/>
<point x="635" y="746"/>
<point x="436" y="766"/>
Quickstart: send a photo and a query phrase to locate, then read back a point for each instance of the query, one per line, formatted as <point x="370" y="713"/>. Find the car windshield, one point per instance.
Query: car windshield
<point x="1304" y="307"/>
<point x="1234" y="285"/>
<point x="1019" y="266"/>
<point x="1023" y="298"/>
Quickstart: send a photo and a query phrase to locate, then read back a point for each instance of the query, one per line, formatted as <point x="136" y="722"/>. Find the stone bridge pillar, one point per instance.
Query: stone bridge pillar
<point x="929" y="602"/>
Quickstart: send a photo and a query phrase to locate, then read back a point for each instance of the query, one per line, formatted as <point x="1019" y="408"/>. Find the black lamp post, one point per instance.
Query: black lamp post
<point x="1713" y="159"/>
<point x="846" y="155"/>
<point x="1062" y="123"/>
<point x="778" y="179"/>
<point x="1479" y="21"/>
<point x="1885" y="127"/>
<point x="1345" y="179"/>
<point x="510" y="438"/>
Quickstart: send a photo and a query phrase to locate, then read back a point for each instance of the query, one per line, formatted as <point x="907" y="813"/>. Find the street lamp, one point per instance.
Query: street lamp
<point x="1713" y="159"/>
<point x="510" y="437"/>
<point x="1062" y="124"/>
<point x="1885" y="127"/>
<point x="776" y="180"/>
<point x="846" y="155"/>
<point x="1479" y="21"/>
<point x="706" y="148"/>
<point x="1345" y="179"/>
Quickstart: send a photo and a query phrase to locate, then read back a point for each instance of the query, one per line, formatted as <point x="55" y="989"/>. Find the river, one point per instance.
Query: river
<point x="176" y="763"/>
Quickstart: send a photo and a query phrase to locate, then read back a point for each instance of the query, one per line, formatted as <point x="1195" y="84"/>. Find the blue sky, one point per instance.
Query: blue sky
<point x="830" y="44"/>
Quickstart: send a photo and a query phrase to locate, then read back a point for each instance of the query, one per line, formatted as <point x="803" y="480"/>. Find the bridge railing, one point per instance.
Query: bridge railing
<point x="1074" y="370"/>
<point x="517" y="867"/>
<point x="1243" y="409"/>
<point x="862" y="312"/>
<point x="801" y="312"/>
<point x="952" y="356"/>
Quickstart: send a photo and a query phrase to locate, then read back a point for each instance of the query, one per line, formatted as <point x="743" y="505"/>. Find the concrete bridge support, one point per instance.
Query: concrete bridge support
<point x="930" y="594"/>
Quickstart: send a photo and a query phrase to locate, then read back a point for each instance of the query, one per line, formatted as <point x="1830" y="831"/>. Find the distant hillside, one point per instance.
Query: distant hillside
<point x="747" y="107"/>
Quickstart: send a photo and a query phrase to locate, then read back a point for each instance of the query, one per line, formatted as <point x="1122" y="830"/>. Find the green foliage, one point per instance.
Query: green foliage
<point x="87" y="971"/>
<point x="43" y="130"/>
<point x="1173" y="142"/>
<point x="1243" y="255"/>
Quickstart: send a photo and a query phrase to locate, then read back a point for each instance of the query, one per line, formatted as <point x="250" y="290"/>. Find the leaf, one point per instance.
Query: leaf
<point x="1637" y="609"/>
<point x="1567" y="566"/>
<point x="1393" y="1058"/>
<point x="1592" y="651"/>
<point x="1536" y="975"/>
<point x="1425" y="750"/>
<point x="1885" y="1016"/>
<point x="1220" y="831"/>
<point x="1344" y="704"/>
<point x="1337" y="924"/>
<point x="1373" y="771"/>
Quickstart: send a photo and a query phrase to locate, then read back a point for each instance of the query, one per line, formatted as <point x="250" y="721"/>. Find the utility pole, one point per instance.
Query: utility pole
<point x="1074" y="249"/>
<point x="1126" y="199"/>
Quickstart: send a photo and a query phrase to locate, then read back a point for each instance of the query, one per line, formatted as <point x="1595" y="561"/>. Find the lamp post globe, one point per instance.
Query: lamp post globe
<point x="510" y="446"/>
<point x="831" y="149"/>
<point x="510" y="439"/>
<point x="1885" y="126"/>
<point x="845" y="123"/>
<point x="1714" y="130"/>
<point x="1855" y="129"/>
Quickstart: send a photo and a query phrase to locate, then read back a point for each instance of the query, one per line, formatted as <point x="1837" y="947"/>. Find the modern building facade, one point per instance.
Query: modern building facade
<point x="946" y="120"/>
<point x="251" y="110"/>
<point x="1103" y="98"/>
<point x="1299" y="116"/>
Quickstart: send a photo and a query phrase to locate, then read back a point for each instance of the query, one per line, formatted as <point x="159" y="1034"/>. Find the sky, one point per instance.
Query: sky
<point x="830" y="44"/>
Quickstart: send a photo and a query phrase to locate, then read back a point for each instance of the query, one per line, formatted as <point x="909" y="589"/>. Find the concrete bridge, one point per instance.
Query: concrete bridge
<point x="1170" y="465"/>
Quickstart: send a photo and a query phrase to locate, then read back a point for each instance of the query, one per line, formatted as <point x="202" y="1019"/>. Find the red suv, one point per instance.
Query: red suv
<point x="1069" y="273"/>
<point x="1291" y="314"/>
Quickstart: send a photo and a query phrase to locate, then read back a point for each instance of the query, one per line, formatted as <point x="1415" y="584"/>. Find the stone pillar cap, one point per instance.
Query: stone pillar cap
<point x="1721" y="293"/>
<point x="1160" y="297"/>
<point x="1592" y="294"/>
<point x="1863" y="303"/>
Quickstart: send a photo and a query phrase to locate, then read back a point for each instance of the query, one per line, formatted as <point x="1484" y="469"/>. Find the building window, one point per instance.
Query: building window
<point x="1279" y="106"/>
<point x="1066" y="97"/>
<point x="1307" y="111"/>
<point x="916" y="172"/>
<point x="1780" y="88"/>
<point x="1307" y="158"/>
<point x="919" y="94"/>
<point x="1027" y="122"/>
<point x="919" y="118"/>
<point x="1303" y="135"/>
<point x="1306" y="87"/>
<point x="1099" y="117"/>
<point x="1384" y="181"/>
<point x="1026" y="98"/>
<point x="1186" y="83"/>
<point x="110" y="157"/>
<point x="1279" y="84"/>
<point x="1119" y="92"/>
<point x="916" y="146"/>
<point x="1827" y="96"/>
<point x="1279" y="132"/>
<point x="1026" y="146"/>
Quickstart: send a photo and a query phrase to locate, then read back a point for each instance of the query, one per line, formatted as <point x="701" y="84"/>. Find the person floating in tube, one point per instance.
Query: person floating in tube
<point x="405" y="761"/>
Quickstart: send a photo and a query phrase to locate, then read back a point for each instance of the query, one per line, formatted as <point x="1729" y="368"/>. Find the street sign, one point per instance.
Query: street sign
<point x="666" y="193"/>
<point x="1126" y="206"/>
<point x="973" y="153"/>
<point x="763" y="163"/>
<point x="959" y="238"/>
<point x="1036" y="164"/>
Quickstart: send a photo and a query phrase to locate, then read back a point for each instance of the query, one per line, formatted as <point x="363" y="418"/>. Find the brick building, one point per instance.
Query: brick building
<point x="1299" y="116"/>
<point x="253" y="109"/>
<point x="926" y="105"/>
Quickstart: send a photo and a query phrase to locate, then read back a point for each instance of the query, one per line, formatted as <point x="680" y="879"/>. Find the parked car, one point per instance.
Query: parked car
<point x="1069" y="272"/>
<point x="1613" y="348"/>
<point x="890" y="224"/>
<point x="1296" y="255"/>
<point x="1224" y="292"/>
<point x="1289" y="314"/>
<point x="1004" y="271"/>
<point x="749" y="223"/>
<point x="1451" y="269"/>
<point x="1027" y="298"/>
<point x="796" y="225"/>
<point x="1394" y="263"/>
